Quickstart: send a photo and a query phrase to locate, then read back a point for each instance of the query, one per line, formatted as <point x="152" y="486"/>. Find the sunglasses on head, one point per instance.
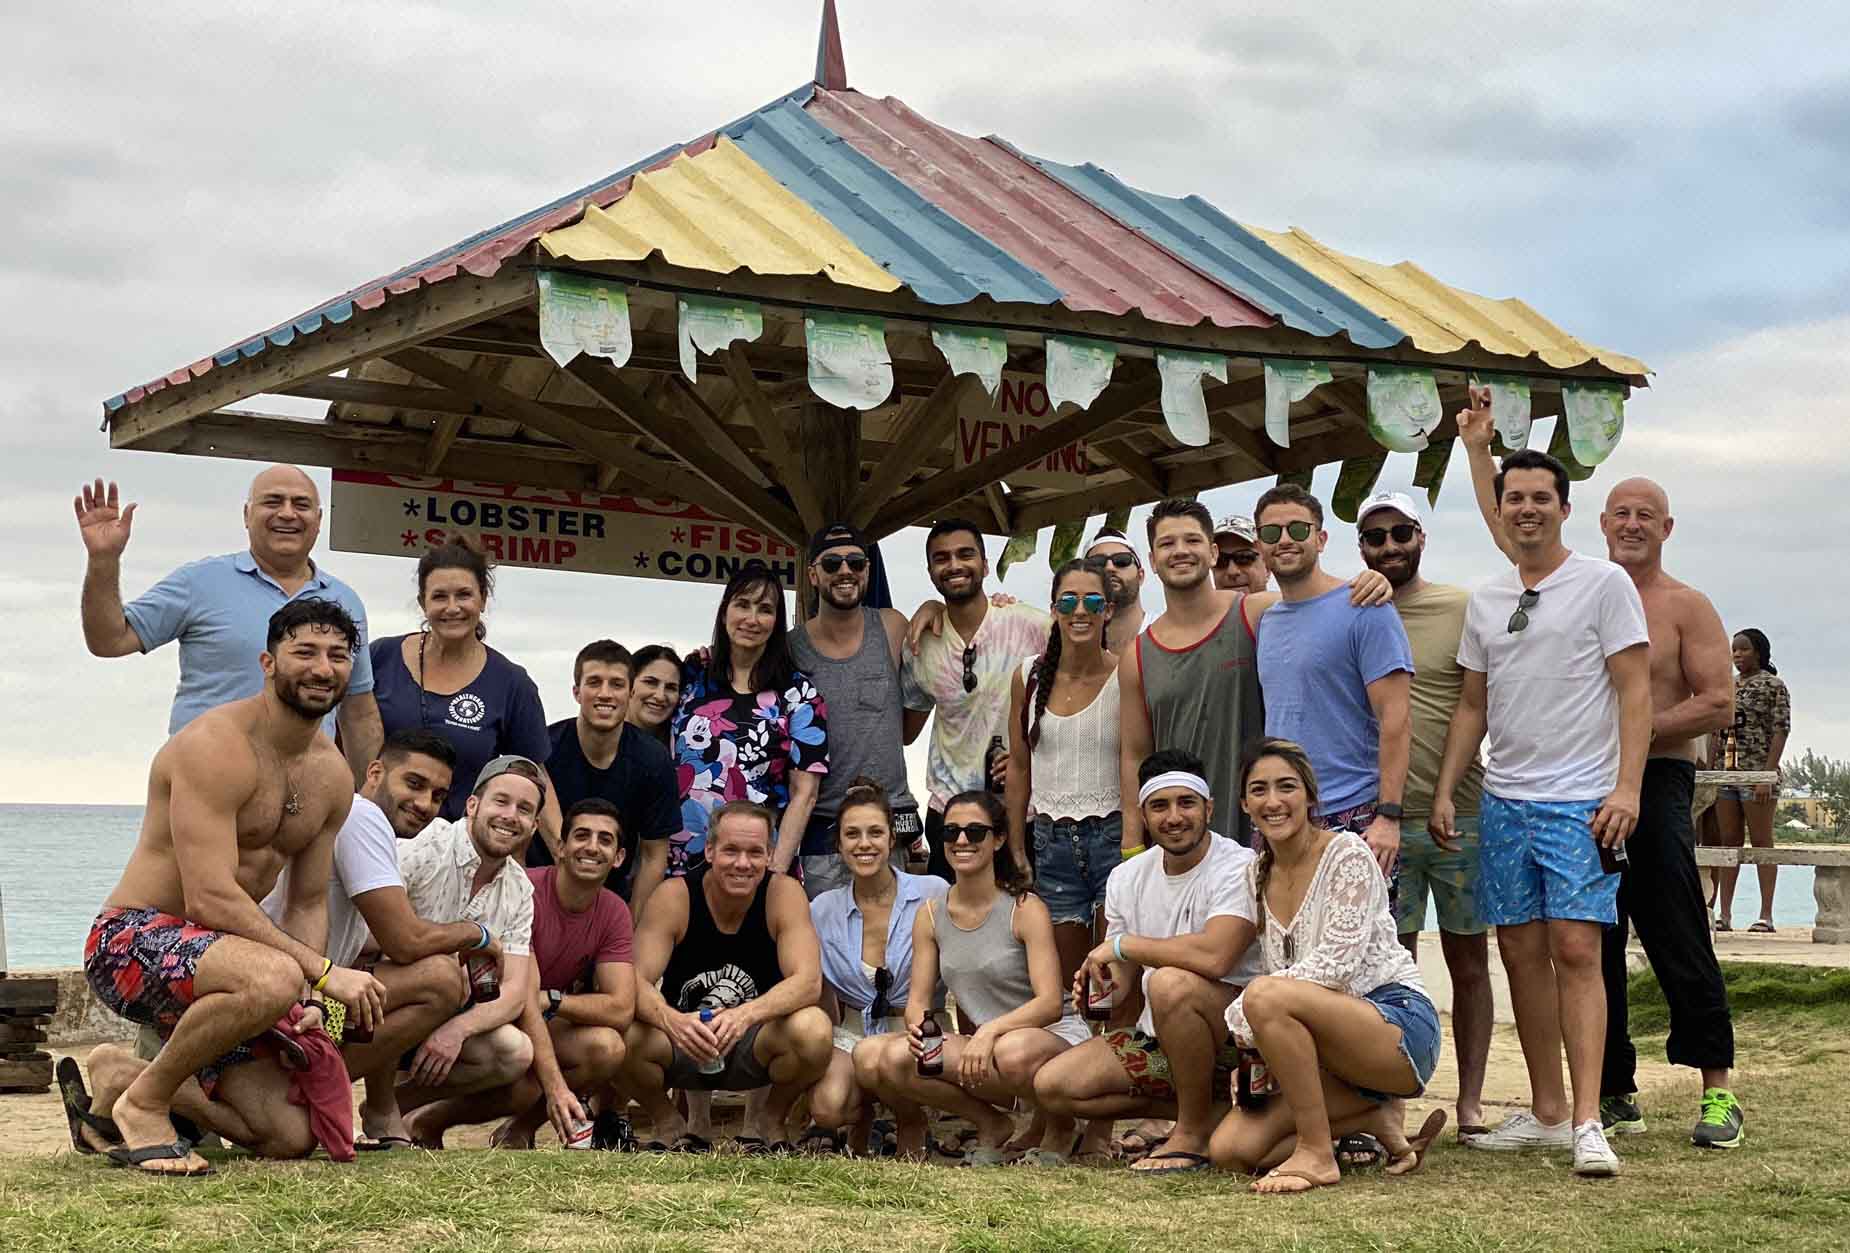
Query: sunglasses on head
<point x="970" y="668"/>
<point x="1524" y="603"/>
<point x="856" y="562"/>
<point x="1376" y="536"/>
<point x="973" y="832"/>
<point x="1122" y="561"/>
<point x="1242" y="558"/>
<point x="1299" y="531"/>
<point x="883" y="983"/>
<point x="1069" y="602"/>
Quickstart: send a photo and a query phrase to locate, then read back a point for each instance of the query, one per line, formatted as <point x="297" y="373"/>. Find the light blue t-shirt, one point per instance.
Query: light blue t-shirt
<point x="838" y="924"/>
<point x="219" y="609"/>
<point x="1316" y="660"/>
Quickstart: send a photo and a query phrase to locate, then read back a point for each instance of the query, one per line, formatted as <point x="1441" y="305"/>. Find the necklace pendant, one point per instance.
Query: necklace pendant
<point x="293" y="805"/>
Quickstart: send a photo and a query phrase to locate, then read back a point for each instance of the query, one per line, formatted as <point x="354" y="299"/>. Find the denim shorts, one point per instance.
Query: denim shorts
<point x="1072" y="859"/>
<point x="1411" y="1011"/>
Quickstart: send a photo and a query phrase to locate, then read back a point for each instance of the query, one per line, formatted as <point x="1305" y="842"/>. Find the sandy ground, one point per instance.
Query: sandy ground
<point x="35" y="1123"/>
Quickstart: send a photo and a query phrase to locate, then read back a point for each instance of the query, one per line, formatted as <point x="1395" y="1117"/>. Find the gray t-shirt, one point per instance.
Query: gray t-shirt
<point x="866" y="719"/>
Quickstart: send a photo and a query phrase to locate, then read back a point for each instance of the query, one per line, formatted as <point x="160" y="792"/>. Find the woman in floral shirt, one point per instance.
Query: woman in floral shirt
<point x="750" y="725"/>
<point x="1762" y="718"/>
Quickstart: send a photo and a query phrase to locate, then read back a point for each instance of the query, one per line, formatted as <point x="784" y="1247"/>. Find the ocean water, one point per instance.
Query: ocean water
<point x="58" y="862"/>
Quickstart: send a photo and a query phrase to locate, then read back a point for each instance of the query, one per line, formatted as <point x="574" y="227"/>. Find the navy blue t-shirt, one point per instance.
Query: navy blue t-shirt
<point x="498" y="712"/>
<point x="640" y="782"/>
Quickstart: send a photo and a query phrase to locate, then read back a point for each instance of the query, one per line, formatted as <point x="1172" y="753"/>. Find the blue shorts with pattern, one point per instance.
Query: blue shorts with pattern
<point x="1537" y="860"/>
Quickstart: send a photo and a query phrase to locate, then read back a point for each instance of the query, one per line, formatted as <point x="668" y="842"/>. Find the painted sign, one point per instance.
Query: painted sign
<point x="1020" y="410"/>
<point x="403" y="515"/>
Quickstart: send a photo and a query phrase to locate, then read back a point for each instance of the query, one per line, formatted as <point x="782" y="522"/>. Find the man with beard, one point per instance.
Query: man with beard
<point x="1238" y="565"/>
<point x="1124" y="579"/>
<point x="852" y="655"/>
<point x="739" y="970"/>
<point x="1660" y="889"/>
<point x="600" y="755"/>
<point x="962" y="673"/>
<point x="241" y="793"/>
<point x="467" y="871"/>
<point x="1393" y="541"/>
<point x="1183" y="924"/>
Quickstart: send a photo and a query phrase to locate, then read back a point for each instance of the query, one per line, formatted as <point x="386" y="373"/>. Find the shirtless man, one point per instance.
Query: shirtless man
<point x="1660" y="892"/>
<point x="241" y="793"/>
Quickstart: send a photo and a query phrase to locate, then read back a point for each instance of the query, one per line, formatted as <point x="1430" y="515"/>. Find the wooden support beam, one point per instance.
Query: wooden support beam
<point x="711" y="427"/>
<point x="1135" y="464"/>
<point x="450" y="425"/>
<point x="999" y="506"/>
<point x="831" y="443"/>
<point x="1255" y="448"/>
<point x="934" y="420"/>
<point x="770" y="427"/>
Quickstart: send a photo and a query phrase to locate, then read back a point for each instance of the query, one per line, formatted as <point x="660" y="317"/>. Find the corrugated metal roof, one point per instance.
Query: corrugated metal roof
<point x="1215" y="244"/>
<point x="1440" y="318"/>
<point x="1097" y="263"/>
<point x="717" y="211"/>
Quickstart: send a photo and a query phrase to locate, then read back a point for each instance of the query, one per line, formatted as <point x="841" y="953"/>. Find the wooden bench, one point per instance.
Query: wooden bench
<point x="1830" y="878"/>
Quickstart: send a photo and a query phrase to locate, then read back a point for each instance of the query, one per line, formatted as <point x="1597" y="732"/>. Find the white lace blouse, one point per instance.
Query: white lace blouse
<point x="1343" y="936"/>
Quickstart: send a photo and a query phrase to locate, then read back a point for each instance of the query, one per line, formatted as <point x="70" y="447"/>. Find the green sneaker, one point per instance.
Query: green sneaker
<point x="1722" y="1125"/>
<point x="1620" y="1115"/>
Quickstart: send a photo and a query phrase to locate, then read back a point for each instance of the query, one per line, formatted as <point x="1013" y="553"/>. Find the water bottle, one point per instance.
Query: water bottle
<point x="716" y="1065"/>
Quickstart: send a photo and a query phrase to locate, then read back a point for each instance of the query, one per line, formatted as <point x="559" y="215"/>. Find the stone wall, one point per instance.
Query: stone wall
<point x="81" y="1018"/>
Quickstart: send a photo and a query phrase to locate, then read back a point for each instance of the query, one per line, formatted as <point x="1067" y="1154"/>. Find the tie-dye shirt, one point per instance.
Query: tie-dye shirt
<point x="963" y="722"/>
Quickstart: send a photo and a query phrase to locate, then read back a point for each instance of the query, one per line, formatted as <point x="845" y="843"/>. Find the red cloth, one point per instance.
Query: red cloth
<point x="322" y="1084"/>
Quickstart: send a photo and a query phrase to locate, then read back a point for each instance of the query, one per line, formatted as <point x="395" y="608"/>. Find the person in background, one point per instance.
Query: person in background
<point x="655" y="691"/>
<point x="1238" y="564"/>
<point x="599" y="754"/>
<point x="959" y="675"/>
<point x="1762" y="720"/>
<point x="865" y="928"/>
<point x="1126" y="576"/>
<point x="991" y="940"/>
<point x="1339" y="1016"/>
<point x="1063" y="736"/>
<point x="219" y="607"/>
<point x="444" y="678"/>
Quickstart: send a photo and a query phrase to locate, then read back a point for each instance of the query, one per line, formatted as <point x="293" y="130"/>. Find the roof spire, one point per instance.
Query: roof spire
<point x="831" y="69"/>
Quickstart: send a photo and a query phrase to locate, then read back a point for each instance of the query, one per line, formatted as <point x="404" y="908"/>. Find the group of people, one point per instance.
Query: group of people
<point x="1171" y="872"/>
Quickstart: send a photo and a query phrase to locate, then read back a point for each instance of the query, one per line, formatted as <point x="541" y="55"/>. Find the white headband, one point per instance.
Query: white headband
<point x="1174" y="778"/>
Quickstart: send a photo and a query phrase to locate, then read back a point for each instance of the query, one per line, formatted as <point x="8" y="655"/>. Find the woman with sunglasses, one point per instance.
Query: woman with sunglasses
<point x="866" y="931"/>
<point x="1063" y="731"/>
<point x="1340" y="1017"/>
<point x="991" y="940"/>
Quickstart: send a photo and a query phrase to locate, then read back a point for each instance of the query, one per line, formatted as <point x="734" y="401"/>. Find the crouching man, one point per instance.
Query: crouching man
<point x="740" y="971"/>
<point x="1184" y="920"/>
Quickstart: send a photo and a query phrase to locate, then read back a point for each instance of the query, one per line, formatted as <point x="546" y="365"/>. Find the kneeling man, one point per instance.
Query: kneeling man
<point x="733" y="943"/>
<point x="1185" y="919"/>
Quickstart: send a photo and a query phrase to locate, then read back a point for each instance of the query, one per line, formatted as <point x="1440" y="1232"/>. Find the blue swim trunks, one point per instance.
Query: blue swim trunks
<point x="1537" y="860"/>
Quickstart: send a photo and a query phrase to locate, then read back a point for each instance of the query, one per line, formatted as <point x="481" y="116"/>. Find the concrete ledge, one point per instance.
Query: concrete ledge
<point x="81" y="1018"/>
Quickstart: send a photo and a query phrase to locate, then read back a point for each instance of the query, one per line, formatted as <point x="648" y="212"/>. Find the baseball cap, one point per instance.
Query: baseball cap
<point x="505" y="764"/>
<point x="1400" y="502"/>
<point x="1239" y="526"/>
<point x="836" y="535"/>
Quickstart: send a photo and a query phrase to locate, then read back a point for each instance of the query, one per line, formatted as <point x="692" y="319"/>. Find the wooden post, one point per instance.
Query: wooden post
<point x="829" y="442"/>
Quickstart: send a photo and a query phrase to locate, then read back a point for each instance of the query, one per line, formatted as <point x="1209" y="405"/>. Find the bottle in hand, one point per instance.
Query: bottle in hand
<point x="931" y="1055"/>
<point x="1096" y="1000"/>
<point x="996" y="749"/>
<point x="484" y="979"/>
<point x="714" y="1065"/>
<point x="1253" y="1081"/>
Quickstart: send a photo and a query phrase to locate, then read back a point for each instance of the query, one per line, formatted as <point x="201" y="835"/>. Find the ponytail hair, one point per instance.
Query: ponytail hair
<point x="1763" y="648"/>
<point x="1010" y="877"/>
<point x="1294" y="756"/>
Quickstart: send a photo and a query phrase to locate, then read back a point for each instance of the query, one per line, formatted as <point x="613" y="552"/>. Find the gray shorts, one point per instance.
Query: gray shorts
<point x="743" y="1070"/>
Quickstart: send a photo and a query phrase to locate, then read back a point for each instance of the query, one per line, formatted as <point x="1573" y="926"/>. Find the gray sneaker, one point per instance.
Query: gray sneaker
<point x="1593" y="1157"/>
<point x="1523" y="1130"/>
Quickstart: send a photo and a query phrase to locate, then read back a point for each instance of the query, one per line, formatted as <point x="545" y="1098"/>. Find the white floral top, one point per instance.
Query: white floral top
<point x="1343" y="936"/>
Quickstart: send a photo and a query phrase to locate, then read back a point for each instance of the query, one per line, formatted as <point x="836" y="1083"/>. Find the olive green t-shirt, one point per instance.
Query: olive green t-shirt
<point x="1434" y="618"/>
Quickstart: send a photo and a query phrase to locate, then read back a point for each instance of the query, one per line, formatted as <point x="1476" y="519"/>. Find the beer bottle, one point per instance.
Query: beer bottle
<point x="931" y="1056"/>
<point x="1096" y="1005"/>
<point x="996" y="749"/>
<point x="1253" y="1081"/>
<point x="484" y="980"/>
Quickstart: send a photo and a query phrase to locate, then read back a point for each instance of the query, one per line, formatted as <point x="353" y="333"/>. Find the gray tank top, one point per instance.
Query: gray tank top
<point x="865" y="716"/>
<point x="986" y="967"/>
<point x="1206" y="699"/>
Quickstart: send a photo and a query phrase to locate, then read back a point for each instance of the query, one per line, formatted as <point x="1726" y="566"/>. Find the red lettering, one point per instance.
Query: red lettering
<point x="1009" y="401"/>
<point x="563" y="551"/>
<point x="1035" y="401"/>
<point x="699" y="534"/>
<point x="968" y="433"/>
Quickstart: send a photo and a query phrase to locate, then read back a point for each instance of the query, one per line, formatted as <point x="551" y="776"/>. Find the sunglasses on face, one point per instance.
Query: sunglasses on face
<point x="835" y="561"/>
<point x="970" y="668"/>
<point x="1299" y="531"/>
<point x="1376" y="536"/>
<point x="883" y="983"/>
<point x="1242" y="558"/>
<point x="1524" y="603"/>
<point x="1069" y="602"/>
<point x="1122" y="561"/>
<point x="973" y="832"/>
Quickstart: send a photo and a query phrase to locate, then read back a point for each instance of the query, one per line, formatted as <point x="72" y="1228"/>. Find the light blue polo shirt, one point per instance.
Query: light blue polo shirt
<point x="219" y="609"/>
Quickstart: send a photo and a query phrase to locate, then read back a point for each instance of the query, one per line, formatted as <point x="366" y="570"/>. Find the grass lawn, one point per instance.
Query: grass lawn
<point x="1789" y="1188"/>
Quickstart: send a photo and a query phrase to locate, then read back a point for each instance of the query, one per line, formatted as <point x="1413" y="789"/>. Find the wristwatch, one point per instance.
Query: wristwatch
<point x="554" y="998"/>
<point x="1390" y="809"/>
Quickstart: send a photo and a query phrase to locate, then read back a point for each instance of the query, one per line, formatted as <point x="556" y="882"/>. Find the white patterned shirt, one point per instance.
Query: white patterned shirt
<point x="963" y="722"/>
<point x="439" y="867"/>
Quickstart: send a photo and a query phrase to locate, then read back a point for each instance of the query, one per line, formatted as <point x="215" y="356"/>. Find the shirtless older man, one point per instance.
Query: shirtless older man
<point x="1660" y="891"/>
<point x="241" y="793"/>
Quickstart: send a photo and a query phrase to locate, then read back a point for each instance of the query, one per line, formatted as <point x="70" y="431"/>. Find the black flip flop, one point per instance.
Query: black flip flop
<point x="383" y="1144"/>
<point x="819" y="1141"/>
<point x="135" y="1159"/>
<point x="688" y="1142"/>
<point x="1360" y="1151"/>
<point x="751" y="1146"/>
<point x="654" y="1146"/>
<point x="1196" y="1162"/>
<point x="77" y="1109"/>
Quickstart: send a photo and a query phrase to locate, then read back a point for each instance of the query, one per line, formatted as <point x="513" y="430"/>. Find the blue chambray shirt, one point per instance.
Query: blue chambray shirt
<point x="838" y="925"/>
<point x="219" y="609"/>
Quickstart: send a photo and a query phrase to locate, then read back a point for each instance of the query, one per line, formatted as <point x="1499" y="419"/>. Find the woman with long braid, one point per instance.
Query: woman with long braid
<point x="1063" y="761"/>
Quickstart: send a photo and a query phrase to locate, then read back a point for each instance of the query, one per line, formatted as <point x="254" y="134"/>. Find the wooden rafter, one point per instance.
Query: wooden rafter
<point x="1135" y="464"/>
<point x="771" y="430"/>
<point x="925" y="432"/>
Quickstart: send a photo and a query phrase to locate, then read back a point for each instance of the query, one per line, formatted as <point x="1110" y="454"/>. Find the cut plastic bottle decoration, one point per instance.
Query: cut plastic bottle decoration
<point x="1561" y="448"/>
<point x="1286" y="383"/>
<point x="579" y="314"/>
<point x="709" y="325"/>
<point x="1078" y="370"/>
<point x="1403" y="407"/>
<point x="1353" y="483"/>
<point x="1595" y="417"/>
<point x="1020" y="547"/>
<point x="1429" y="470"/>
<point x="982" y="353"/>
<point x="1509" y="408"/>
<point x="1185" y="409"/>
<point x="849" y="366"/>
<point x="1067" y="536"/>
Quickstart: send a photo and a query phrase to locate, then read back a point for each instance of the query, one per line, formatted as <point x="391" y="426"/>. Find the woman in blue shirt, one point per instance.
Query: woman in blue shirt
<point x="443" y="678"/>
<point x="866" y="933"/>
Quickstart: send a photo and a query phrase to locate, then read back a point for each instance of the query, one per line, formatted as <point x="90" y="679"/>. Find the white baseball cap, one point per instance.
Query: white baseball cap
<point x="1400" y="502"/>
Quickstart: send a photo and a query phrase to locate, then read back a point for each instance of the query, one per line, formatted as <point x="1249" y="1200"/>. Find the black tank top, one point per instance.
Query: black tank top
<point x="721" y="969"/>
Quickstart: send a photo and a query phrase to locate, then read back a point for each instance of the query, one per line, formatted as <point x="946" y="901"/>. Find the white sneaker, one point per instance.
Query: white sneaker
<point x="1592" y="1155"/>
<point x="1523" y="1130"/>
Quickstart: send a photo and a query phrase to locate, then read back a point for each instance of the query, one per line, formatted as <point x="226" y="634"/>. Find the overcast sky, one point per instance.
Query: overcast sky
<point x="1669" y="180"/>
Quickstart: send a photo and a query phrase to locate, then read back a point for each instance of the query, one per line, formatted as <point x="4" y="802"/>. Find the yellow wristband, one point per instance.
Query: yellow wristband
<point x="1125" y="854"/>
<point x="327" y="967"/>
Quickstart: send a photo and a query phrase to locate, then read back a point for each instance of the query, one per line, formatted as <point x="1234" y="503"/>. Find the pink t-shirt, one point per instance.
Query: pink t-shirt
<point x="569" y="947"/>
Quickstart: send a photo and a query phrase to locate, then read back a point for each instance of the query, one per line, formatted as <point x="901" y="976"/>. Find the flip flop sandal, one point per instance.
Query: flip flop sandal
<point x="752" y="1146"/>
<point x="1193" y="1163"/>
<point x="1419" y="1145"/>
<point x="1275" y="1173"/>
<point x="382" y="1144"/>
<point x="688" y="1142"/>
<point x="821" y="1142"/>
<point x="1041" y="1157"/>
<point x="77" y="1109"/>
<point x="655" y="1146"/>
<point x="1467" y="1130"/>
<point x="1146" y="1145"/>
<point x="1722" y="926"/>
<point x="1360" y="1151"/>
<point x="1763" y="927"/>
<point x="883" y="1138"/>
<point x="177" y="1151"/>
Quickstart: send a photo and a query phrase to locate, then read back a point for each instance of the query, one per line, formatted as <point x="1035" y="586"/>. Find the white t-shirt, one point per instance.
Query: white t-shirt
<point x="1553" y="711"/>
<point x="365" y="860"/>
<point x="1140" y="899"/>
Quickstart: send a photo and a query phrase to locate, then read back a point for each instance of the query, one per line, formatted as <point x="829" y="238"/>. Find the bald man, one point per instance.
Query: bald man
<point x="1660" y="891"/>
<point x="218" y="608"/>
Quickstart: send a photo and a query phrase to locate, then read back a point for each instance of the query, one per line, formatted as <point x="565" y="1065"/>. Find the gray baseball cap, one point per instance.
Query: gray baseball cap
<point x="1239" y="526"/>
<point x="505" y="764"/>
